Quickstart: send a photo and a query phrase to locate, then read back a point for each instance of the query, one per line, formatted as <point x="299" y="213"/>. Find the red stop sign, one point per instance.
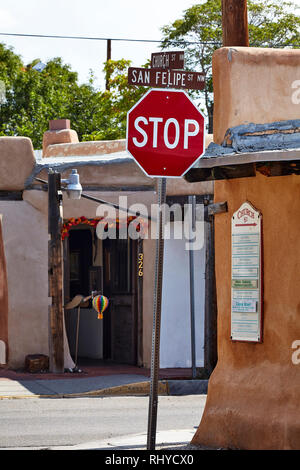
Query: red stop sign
<point x="165" y="133"/>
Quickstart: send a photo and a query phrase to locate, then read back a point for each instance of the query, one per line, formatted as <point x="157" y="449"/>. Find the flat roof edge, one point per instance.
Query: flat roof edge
<point x="249" y="157"/>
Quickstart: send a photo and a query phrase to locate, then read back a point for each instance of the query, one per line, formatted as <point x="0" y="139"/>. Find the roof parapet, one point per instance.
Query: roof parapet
<point x="59" y="132"/>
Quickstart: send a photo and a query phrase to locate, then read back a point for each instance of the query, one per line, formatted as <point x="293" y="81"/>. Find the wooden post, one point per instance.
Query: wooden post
<point x="210" y="309"/>
<point x="55" y="267"/>
<point x="108" y="57"/>
<point x="140" y="275"/>
<point x="235" y="23"/>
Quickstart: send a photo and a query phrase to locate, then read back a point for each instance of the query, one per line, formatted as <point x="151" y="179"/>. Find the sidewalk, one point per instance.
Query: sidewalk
<point x="165" y="440"/>
<point x="104" y="380"/>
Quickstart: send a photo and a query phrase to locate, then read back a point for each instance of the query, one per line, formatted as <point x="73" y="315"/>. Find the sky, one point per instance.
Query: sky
<point x="121" y="19"/>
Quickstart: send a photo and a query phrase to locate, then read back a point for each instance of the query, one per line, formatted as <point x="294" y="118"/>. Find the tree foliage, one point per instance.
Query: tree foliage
<point x="32" y="98"/>
<point x="199" y="33"/>
<point x="115" y="102"/>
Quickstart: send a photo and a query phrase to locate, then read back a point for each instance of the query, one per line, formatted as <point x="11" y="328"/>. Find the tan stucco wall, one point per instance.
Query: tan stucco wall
<point x="253" y="85"/>
<point x="60" y="136"/>
<point x="16" y="162"/>
<point x="123" y="173"/>
<point x="129" y="174"/>
<point x="253" y="395"/>
<point x="26" y="250"/>
<point x="85" y="149"/>
<point x="77" y="208"/>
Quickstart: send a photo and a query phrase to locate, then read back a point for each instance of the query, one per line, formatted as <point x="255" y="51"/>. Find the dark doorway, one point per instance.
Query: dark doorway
<point x="80" y="261"/>
<point x="84" y="330"/>
<point x="115" y="276"/>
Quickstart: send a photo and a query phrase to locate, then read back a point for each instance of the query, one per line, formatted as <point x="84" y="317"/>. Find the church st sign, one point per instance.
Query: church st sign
<point x="246" y="275"/>
<point x="167" y="60"/>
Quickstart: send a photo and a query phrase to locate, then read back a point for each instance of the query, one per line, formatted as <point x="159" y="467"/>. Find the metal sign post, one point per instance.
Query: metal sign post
<point x="165" y="136"/>
<point x="192" y="202"/>
<point x="153" y="399"/>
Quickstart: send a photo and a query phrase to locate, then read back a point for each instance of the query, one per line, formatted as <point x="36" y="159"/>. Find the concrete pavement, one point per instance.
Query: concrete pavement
<point x="173" y="439"/>
<point x="107" y="385"/>
<point x="109" y="382"/>
<point x="165" y="440"/>
<point x="98" y="378"/>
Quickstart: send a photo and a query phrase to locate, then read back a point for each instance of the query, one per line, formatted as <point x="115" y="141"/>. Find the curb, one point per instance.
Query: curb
<point x="171" y="387"/>
<point x="139" y="388"/>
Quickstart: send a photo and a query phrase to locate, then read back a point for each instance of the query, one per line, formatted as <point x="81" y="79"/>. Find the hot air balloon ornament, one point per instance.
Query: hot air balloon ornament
<point x="100" y="303"/>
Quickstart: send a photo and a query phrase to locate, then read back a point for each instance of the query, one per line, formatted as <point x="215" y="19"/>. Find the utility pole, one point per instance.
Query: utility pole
<point x="108" y="57"/>
<point x="55" y="267"/>
<point x="235" y="23"/>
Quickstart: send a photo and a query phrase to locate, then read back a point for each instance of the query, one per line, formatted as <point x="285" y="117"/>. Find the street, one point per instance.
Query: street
<point x="42" y="423"/>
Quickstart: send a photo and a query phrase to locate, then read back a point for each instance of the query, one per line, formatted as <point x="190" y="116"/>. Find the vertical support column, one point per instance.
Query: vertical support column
<point x="192" y="203"/>
<point x="140" y="276"/>
<point x="3" y="303"/>
<point x="153" y="399"/>
<point x="235" y="23"/>
<point x="210" y="315"/>
<point x="55" y="272"/>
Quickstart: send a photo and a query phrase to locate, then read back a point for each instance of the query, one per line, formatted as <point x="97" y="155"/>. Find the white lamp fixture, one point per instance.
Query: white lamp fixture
<point x="74" y="188"/>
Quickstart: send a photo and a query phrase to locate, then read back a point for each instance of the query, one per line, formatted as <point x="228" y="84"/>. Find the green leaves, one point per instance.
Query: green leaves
<point x="273" y="24"/>
<point x="33" y="98"/>
<point x="199" y="33"/>
<point x="116" y="102"/>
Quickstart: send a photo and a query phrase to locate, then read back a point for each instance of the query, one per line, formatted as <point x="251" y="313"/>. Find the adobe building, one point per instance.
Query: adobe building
<point x="123" y="270"/>
<point x="253" y="392"/>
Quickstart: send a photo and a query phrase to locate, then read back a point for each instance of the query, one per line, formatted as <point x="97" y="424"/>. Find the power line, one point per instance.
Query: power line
<point x="51" y="36"/>
<point x="89" y="38"/>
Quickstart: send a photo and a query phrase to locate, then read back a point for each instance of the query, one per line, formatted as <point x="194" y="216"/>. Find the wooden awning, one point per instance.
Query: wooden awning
<point x="245" y="165"/>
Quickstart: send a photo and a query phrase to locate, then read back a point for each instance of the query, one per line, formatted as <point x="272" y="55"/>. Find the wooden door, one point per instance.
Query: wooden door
<point x="120" y="322"/>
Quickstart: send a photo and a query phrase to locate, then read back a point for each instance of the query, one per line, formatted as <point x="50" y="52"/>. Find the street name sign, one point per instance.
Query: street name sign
<point x="165" y="133"/>
<point x="246" y="275"/>
<point x="166" y="78"/>
<point x="169" y="60"/>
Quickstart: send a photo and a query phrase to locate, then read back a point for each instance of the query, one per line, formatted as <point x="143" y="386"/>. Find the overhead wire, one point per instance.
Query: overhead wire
<point x="95" y="38"/>
<point x="52" y="36"/>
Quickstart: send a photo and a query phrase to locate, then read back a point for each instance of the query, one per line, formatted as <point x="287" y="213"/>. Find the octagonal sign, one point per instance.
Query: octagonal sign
<point x="165" y="133"/>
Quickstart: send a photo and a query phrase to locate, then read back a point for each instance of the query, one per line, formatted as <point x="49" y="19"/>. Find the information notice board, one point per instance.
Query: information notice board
<point x="246" y="274"/>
